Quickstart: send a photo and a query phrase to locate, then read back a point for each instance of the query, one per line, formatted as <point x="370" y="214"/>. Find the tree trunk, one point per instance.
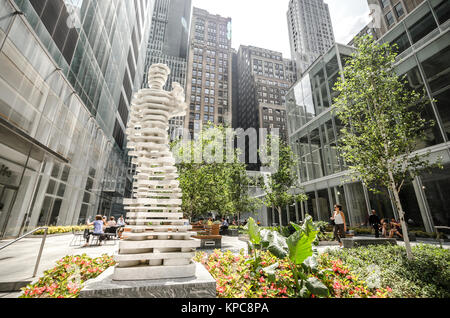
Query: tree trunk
<point x="398" y="204"/>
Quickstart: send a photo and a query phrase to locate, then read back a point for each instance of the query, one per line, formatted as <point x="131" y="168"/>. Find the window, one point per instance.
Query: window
<point x="399" y="10"/>
<point x="422" y="27"/>
<point x="384" y="3"/>
<point x="443" y="11"/>
<point x="390" y="18"/>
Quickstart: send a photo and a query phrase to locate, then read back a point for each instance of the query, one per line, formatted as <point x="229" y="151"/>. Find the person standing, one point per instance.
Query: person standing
<point x="340" y="225"/>
<point x="374" y="221"/>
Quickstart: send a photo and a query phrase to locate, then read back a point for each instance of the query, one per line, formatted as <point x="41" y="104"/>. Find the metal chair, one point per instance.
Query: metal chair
<point x="77" y="239"/>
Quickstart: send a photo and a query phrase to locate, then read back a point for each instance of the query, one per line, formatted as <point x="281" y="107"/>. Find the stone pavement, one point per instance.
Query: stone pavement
<point x="17" y="261"/>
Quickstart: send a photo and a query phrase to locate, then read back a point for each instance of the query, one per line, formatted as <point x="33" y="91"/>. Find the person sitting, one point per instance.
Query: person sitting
<point x="384" y="227"/>
<point x="224" y="226"/>
<point x="111" y="226"/>
<point x="98" y="224"/>
<point x="395" y="229"/>
<point x="111" y="222"/>
<point x="121" y="221"/>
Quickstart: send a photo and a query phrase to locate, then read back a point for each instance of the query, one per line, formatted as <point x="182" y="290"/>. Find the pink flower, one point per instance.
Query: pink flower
<point x="261" y="279"/>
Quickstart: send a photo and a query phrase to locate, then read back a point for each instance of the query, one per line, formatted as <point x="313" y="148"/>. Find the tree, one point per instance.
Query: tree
<point x="383" y="122"/>
<point x="281" y="183"/>
<point x="239" y="187"/>
<point x="210" y="185"/>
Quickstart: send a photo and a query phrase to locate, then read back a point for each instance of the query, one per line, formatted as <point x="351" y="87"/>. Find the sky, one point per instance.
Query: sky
<point x="263" y="23"/>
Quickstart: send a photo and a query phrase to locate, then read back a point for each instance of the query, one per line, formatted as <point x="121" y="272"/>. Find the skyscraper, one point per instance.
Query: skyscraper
<point x="310" y="31"/>
<point x="168" y="44"/>
<point x="263" y="84"/>
<point x="209" y="80"/>
<point x="68" y="71"/>
<point x="264" y="78"/>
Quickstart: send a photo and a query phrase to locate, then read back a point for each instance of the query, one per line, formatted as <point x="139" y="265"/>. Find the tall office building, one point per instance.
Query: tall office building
<point x="68" y="71"/>
<point x="385" y="15"/>
<point x="168" y="44"/>
<point x="315" y="129"/>
<point x="209" y="80"/>
<point x="310" y="31"/>
<point x="263" y="84"/>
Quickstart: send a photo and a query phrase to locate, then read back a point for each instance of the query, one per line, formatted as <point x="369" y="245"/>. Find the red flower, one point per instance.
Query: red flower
<point x="261" y="279"/>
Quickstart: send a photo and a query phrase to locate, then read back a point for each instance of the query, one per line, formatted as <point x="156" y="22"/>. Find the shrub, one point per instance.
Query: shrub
<point x="427" y="276"/>
<point x="62" y="229"/>
<point x="66" y="279"/>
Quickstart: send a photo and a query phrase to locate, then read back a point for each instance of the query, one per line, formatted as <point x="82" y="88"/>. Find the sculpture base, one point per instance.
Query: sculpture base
<point x="153" y="272"/>
<point x="201" y="285"/>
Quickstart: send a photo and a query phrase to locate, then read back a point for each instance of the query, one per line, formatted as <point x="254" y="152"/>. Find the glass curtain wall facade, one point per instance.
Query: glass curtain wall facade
<point x="423" y="37"/>
<point x="68" y="69"/>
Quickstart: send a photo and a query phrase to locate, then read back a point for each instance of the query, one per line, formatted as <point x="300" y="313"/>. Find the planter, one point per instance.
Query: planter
<point x="215" y="229"/>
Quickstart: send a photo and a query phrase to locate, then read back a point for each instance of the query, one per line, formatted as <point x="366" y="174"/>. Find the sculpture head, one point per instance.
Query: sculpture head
<point x="157" y="76"/>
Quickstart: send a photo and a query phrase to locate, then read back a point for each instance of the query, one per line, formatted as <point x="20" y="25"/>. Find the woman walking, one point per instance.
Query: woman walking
<point x="340" y="226"/>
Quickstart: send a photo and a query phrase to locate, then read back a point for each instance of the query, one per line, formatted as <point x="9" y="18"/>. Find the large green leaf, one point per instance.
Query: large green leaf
<point x="300" y="243"/>
<point x="271" y="271"/>
<point x="275" y="243"/>
<point x="316" y="287"/>
<point x="254" y="232"/>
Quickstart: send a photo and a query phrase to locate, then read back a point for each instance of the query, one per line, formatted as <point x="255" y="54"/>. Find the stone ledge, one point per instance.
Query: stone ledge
<point x="203" y="285"/>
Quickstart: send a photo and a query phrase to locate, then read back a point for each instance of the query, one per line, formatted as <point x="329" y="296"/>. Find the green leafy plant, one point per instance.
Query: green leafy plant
<point x="296" y="249"/>
<point x="427" y="276"/>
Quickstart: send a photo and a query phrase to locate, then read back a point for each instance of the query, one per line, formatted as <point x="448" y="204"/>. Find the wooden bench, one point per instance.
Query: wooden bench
<point x="207" y="239"/>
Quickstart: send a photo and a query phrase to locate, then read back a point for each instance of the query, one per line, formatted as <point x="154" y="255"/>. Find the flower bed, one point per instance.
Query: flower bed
<point x="236" y="279"/>
<point x="67" y="278"/>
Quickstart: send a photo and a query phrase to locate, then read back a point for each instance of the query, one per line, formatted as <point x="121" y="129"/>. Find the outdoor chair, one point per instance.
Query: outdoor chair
<point x="78" y="238"/>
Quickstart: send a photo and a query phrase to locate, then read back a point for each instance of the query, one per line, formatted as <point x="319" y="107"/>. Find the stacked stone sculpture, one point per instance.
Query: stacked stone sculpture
<point x="156" y="243"/>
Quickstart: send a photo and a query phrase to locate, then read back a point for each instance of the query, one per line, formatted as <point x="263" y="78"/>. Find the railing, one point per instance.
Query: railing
<point x="40" y="250"/>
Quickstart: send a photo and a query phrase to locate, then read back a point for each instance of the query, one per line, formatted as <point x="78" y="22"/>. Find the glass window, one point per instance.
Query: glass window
<point x="311" y="207"/>
<point x="381" y="203"/>
<point x="384" y="3"/>
<point x="323" y="202"/>
<point x="390" y="18"/>
<point x="443" y="11"/>
<point x="411" y="207"/>
<point x="422" y="27"/>
<point x="437" y="188"/>
<point x="437" y="69"/>
<point x="54" y="217"/>
<point x="402" y="43"/>
<point x="399" y="9"/>
<point x="443" y="106"/>
<point x="357" y="208"/>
